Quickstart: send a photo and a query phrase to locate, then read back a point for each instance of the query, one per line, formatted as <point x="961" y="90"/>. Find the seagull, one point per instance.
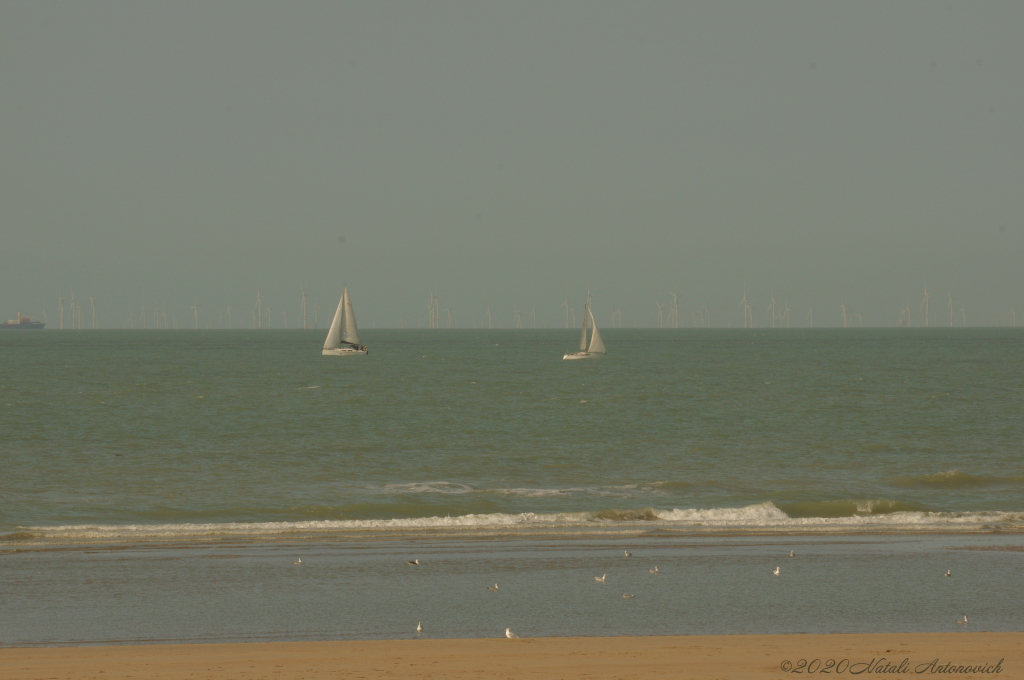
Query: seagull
<point x="628" y="554"/>
<point x="414" y="563"/>
<point x="419" y="626"/>
<point x="653" y="571"/>
<point x="791" y="554"/>
<point x="776" y="572"/>
<point x="298" y="561"/>
<point x="627" y="596"/>
<point x="600" y="579"/>
<point x="510" y="635"/>
<point x="948" y="573"/>
<point x="494" y="589"/>
<point x="964" y="622"/>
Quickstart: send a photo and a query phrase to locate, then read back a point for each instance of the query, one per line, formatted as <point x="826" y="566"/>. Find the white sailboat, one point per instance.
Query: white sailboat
<point x="595" y="350"/>
<point x="343" y="338"/>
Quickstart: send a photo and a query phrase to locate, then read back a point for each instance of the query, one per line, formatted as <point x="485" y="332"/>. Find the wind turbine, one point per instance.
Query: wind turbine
<point x="788" y="310"/>
<point x="259" y="307"/>
<point x="843" y="306"/>
<point x="229" y="317"/>
<point x="810" y="314"/>
<point x="746" y="308"/>
<point x="771" y="307"/>
<point x="661" y="322"/>
<point x="950" y="309"/>
<point x="195" y="310"/>
<point x="60" y="309"/>
<point x="488" y="315"/>
<point x="963" y="312"/>
<point x="566" y="305"/>
<point x="924" y="303"/>
<point x="304" y="296"/>
<point x="675" y="311"/>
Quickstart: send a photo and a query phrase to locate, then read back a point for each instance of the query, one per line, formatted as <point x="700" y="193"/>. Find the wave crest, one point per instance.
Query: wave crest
<point x="848" y="508"/>
<point x="822" y="517"/>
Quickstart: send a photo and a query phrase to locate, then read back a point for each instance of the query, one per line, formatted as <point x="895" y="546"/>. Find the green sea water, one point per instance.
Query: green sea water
<point x="779" y="430"/>
<point x="158" y="485"/>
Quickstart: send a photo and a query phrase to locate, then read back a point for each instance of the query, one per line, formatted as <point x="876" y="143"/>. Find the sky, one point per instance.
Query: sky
<point x="513" y="156"/>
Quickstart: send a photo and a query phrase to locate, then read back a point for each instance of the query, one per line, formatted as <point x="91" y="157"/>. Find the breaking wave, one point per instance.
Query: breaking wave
<point x="830" y="517"/>
<point x="623" y="490"/>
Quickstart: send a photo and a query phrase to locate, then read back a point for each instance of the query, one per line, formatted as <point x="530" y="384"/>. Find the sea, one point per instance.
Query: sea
<point x="234" y="485"/>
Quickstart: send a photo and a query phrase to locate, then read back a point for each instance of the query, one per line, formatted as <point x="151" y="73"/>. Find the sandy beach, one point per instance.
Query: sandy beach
<point x="742" y="657"/>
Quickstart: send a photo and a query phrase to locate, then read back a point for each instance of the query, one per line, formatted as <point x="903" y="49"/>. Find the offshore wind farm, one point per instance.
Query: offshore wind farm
<point x="660" y="312"/>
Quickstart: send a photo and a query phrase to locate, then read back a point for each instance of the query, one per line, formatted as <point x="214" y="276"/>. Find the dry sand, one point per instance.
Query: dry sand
<point x="680" y="658"/>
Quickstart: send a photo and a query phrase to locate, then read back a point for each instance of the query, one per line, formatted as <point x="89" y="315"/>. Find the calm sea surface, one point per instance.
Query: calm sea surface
<point x="157" y="485"/>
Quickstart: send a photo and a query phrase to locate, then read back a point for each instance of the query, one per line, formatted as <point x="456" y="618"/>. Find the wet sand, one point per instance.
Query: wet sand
<point x="700" y="657"/>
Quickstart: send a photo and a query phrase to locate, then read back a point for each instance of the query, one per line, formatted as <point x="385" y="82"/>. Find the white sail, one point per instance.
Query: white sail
<point x="334" y="335"/>
<point x="596" y="344"/>
<point x="351" y="333"/>
<point x="583" y="334"/>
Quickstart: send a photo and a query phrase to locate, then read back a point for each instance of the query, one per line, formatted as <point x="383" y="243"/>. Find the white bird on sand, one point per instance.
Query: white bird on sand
<point x="627" y="596"/>
<point x="414" y="563"/>
<point x="964" y="622"/>
<point x="948" y="573"/>
<point x="653" y="571"/>
<point x="494" y="589"/>
<point x="298" y="561"/>
<point x="600" y="579"/>
<point x="510" y="635"/>
<point x="419" y="626"/>
<point x="791" y="554"/>
<point x="628" y="554"/>
<point x="776" y="572"/>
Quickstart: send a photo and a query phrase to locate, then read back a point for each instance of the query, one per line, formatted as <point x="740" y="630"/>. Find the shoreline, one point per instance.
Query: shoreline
<point x="697" y="657"/>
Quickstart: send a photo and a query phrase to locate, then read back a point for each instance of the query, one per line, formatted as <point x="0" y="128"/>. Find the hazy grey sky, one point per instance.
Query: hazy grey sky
<point x="510" y="154"/>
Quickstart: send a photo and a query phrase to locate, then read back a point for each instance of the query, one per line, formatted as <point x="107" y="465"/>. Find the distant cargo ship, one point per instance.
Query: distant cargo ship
<point x="22" y="322"/>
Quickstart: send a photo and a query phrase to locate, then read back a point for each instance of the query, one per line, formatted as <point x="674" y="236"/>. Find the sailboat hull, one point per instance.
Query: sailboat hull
<point x="582" y="355"/>
<point x="345" y="351"/>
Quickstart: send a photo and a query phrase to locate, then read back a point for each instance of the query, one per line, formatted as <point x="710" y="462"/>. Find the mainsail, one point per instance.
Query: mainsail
<point x="351" y="333"/>
<point x="334" y="335"/>
<point x="596" y="344"/>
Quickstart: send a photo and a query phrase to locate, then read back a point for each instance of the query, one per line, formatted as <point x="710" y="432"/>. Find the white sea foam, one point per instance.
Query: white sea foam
<point x="622" y="491"/>
<point x="428" y="487"/>
<point x="759" y="518"/>
<point x="442" y="487"/>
